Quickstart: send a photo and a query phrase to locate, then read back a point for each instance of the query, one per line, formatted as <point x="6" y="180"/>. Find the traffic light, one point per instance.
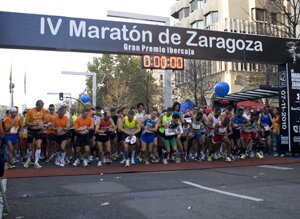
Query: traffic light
<point x="61" y="96"/>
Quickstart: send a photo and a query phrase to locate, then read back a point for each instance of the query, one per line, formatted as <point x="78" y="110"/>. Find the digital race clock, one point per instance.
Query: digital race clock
<point x="162" y="62"/>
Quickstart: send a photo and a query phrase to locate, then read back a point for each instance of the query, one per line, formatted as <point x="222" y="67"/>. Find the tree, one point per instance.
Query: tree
<point x="197" y="82"/>
<point x="123" y="73"/>
<point x="117" y="97"/>
<point x="103" y="67"/>
<point x="290" y="9"/>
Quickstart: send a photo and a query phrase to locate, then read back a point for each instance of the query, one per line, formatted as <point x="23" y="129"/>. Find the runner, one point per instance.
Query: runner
<point x="102" y="133"/>
<point x="265" y="121"/>
<point x="238" y="125"/>
<point x="72" y="139"/>
<point x="163" y="119"/>
<point x="186" y="136"/>
<point x="149" y="126"/>
<point x="172" y="128"/>
<point x="35" y="119"/>
<point x="83" y="125"/>
<point x="11" y="125"/>
<point x="23" y="136"/>
<point x="130" y="127"/>
<point x="140" y="113"/>
<point x="61" y="126"/>
<point x="115" y="148"/>
<point x="51" y="149"/>
<point x="220" y="136"/>
<point x="213" y="120"/>
<point x="197" y="137"/>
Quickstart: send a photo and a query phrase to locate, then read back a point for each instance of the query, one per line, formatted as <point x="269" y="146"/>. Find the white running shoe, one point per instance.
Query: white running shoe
<point x="127" y="163"/>
<point x="27" y="164"/>
<point x="85" y="162"/>
<point x="99" y="164"/>
<point x="62" y="163"/>
<point x="165" y="161"/>
<point x="123" y="161"/>
<point x="76" y="162"/>
<point x="37" y="166"/>
<point x="132" y="161"/>
<point x="57" y="161"/>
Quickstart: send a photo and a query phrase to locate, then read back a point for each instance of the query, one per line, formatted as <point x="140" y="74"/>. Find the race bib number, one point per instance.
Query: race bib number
<point x="169" y="132"/>
<point x="14" y="130"/>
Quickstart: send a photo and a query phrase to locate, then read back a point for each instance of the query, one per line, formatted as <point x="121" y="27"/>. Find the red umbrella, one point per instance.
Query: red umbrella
<point x="250" y="104"/>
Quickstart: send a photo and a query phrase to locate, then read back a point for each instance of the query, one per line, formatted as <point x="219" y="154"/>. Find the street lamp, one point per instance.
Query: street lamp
<point x="164" y="20"/>
<point x="87" y="73"/>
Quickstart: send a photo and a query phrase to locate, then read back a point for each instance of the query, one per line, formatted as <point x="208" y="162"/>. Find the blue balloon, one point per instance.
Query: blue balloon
<point x="85" y="98"/>
<point x="221" y="89"/>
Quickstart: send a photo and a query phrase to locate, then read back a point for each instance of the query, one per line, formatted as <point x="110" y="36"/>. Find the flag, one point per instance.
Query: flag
<point x="10" y="80"/>
<point x="25" y="83"/>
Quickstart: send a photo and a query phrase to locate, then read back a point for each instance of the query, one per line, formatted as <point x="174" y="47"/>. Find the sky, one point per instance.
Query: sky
<point x="43" y="68"/>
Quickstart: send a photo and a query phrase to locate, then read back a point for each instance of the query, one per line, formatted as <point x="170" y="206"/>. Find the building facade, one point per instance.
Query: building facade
<point x="239" y="16"/>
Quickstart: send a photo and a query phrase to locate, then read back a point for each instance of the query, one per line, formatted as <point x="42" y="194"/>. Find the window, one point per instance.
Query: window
<point x="259" y="14"/>
<point x="196" y="4"/>
<point x="198" y="24"/>
<point x="273" y="18"/>
<point x="211" y="18"/>
<point x="183" y="13"/>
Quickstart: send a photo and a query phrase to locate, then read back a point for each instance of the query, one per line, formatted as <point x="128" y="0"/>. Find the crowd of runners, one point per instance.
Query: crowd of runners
<point x="98" y="136"/>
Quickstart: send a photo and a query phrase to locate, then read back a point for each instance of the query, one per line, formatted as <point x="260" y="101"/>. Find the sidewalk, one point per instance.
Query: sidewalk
<point x="116" y="167"/>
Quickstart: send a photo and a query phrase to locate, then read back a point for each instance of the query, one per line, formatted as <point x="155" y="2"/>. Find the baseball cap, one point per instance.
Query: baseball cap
<point x="13" y="109"/>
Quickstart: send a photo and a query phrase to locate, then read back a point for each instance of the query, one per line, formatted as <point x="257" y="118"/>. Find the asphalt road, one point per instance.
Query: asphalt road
<point x="245" y="192"/>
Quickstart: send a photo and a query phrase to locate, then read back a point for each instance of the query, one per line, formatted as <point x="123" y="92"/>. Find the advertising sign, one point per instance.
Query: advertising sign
<point x="289" y="102"/>
<point x="58" y="33"/>
<point x="284" y="104"/>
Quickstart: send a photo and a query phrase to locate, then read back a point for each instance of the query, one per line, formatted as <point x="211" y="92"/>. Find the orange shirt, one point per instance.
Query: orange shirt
<point x="1" y="128"/>
<point x="35" y="116"/>
<point x="60" y="123"/>
<point x="8" y="121"/>
<point x="48" y="119"/>
<point x="80" y="122"/>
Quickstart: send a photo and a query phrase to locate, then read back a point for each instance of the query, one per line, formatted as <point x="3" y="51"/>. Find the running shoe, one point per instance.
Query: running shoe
<point x="108" y="160"/>
<point x="243" y="156"/>
<point x="147" y="162"/>
<point x="282" y="155"/>
<point x="127" y="163"/>
<point x="228" y="159"/>
<point x="27" y="163"/>
<point x="85" y="162"/>
<point x="165" y="161"/>
<point x="123" y="161"/>
<point x="203" y="156"/>
<point x="37" y="166"/>
<point x="177" y="160"/>
<point x="90" y="159"/>
<point x="132" y="161"/>
<point x="209" y="158"/>
<point x="76" y="162"/>
<point x="62" y="163"/>
<point x="57" y="161"/>
<point x="99" y="164"/>
<point x="259" y="155"/>
<point x="276" y="155"/>
<point x="232" y="157"/>
<point x="11" y="166"/>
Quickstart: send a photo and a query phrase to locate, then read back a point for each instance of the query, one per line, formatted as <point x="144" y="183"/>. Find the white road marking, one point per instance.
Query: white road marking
<point x="223" y="192"/>
<point x="276" y="167"/>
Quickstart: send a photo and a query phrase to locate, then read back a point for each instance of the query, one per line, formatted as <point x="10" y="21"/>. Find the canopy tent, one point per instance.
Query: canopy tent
<point x="186" y="105"/>
<point x="254" y="94"/>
